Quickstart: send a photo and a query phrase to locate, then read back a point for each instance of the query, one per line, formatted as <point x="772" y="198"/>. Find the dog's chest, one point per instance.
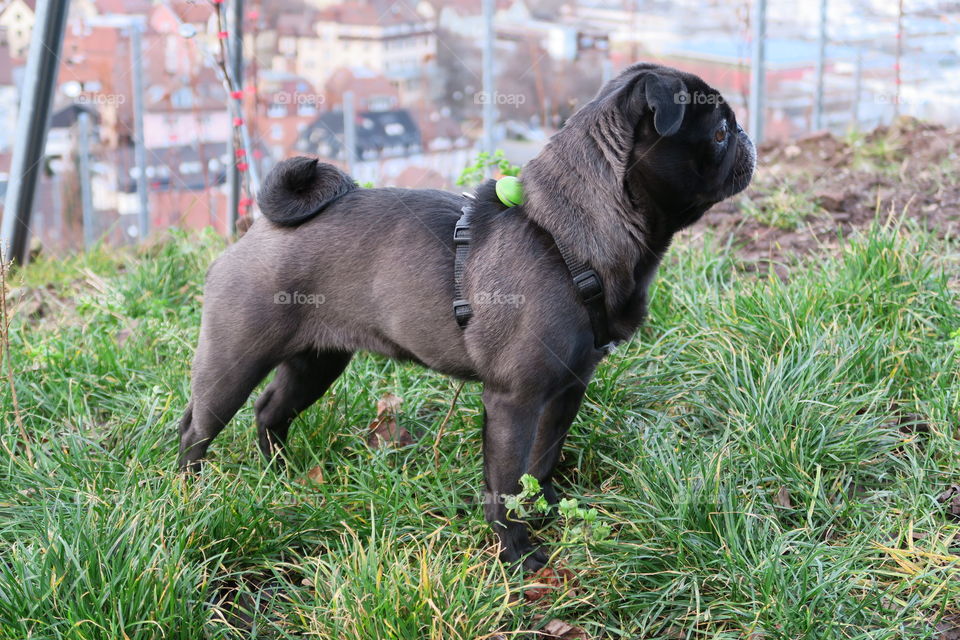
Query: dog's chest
<point x="630" y="314"/>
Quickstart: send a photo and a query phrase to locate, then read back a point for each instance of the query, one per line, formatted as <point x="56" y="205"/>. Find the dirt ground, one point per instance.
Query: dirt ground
<point x="807" y="193"/>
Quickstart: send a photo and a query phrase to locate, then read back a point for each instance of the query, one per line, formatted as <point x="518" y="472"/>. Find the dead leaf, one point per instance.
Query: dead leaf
<point x="783" y="498"/>
<point x="951" y="497"/>
<point x="547" y="580"/>
<point x="559" y="630"/>
<point x="948" y="628"/>
<point x="388" y="404"/>
<point x="315" y="475"/>
<point x="384" y="430"/>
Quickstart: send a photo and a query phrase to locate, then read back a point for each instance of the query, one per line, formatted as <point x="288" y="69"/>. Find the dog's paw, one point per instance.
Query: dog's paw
<point x="523" y="551"/>
<point x="534" y="561"/>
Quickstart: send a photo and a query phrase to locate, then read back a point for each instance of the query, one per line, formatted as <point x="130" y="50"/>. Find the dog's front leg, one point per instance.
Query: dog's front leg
<point x="509" y="431"/>
<point x="558" y="414"/>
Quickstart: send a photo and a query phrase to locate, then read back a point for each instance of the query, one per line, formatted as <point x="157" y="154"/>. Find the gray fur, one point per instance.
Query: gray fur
<point x="300" y="188"/>
<point x="378" y="264"/>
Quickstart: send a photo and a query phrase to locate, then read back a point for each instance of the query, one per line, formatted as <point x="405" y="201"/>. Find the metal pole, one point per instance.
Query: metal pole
<point x="821" y="63"/>
<point x="31" y="136"/>
<point x="139" y="150"/>
<point x="857" y="89"/>
<point x="349" y="132"/>
<point x="235" y="50"/>
<point x="758" y="28"/>
<point x="897" y="65"/>
<point x="86" y="189"/>
<point x="488" y="80"/>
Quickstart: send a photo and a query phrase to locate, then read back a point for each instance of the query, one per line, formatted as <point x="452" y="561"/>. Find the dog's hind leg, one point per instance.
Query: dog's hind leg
<point x="300" y="381"/>
<point x="225" y="372"/>
<point x="558" y="415"/>
<point x="508" y="434"/>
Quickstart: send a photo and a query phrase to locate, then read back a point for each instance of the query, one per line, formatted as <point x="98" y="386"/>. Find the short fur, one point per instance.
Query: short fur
<point x="300" y="188"/>
<point x="374" y="272"/>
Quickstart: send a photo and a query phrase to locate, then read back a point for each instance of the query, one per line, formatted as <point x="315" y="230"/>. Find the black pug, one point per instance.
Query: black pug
<point x="374" y="271"/>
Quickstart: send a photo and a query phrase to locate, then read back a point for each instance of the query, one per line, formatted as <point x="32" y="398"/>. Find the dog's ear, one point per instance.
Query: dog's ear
<point x="665" y="95"/>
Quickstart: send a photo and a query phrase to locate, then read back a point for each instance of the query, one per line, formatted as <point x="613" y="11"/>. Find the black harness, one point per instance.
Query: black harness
<point x="587" y="281"/>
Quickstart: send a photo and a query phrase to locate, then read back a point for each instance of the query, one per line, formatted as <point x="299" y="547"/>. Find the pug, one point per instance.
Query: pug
<point x="331" y="269"/>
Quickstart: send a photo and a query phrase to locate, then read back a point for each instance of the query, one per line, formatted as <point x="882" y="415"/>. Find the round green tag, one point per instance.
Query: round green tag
<point x="510" y="191"/>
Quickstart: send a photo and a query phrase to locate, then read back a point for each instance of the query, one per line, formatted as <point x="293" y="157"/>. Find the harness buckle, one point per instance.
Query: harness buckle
<point x="589" y="285"/>
<point x="461" y="233"/>
<point x="462" y="312"/>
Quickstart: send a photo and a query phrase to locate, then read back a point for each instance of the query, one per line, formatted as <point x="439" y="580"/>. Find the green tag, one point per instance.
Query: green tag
<point x="510" y="191"/>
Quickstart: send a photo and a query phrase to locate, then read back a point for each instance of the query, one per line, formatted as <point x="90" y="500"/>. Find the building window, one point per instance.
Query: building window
<point x="182" y="98"/>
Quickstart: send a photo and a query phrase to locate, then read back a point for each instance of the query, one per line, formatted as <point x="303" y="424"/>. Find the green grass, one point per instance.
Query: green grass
<point x="767" y="452"/>
<point x="781" y="206"/>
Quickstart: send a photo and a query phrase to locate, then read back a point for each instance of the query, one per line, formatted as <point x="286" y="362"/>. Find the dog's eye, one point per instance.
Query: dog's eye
<point x="720" y="135"/>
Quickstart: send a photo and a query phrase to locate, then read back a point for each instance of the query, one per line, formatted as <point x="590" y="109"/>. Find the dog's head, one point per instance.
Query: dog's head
<point x="688" y="152"/>
<point x="653" y="135"/>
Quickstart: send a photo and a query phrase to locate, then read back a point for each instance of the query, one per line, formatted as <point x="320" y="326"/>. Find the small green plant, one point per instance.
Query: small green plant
<point x="473" y="174"/>
<point x="578" y="523"/>
<point x="955" y="339"/>
<point x="783" y="208"/>
<point x="875" y="153"/>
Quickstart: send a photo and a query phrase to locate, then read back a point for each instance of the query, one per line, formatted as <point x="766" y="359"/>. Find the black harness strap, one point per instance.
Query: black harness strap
<point x="590" y="287"/>
<point x="585" y="279"/>
<point x="461" y="240"/>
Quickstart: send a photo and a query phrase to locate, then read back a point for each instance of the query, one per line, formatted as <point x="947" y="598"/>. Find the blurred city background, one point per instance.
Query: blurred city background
<point x="409" y="76"/>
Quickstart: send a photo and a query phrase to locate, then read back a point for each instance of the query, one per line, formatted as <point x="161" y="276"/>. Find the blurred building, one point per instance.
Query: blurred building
<point x="380" y="134"/>
<point x="371" y="91"/>
<point x="285" y="105"/>
<point x="16" y="25"/>
<point x="388" y="38"/>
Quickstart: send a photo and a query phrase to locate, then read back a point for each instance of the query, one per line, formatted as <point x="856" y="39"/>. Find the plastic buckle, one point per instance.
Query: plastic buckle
<point x="462" y="312"/>
<point x="589" y="285"/>
<point x="461" y="233"/>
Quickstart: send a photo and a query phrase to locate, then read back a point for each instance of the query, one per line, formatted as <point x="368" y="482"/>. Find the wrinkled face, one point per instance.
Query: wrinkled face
<point x="688" y="150"/>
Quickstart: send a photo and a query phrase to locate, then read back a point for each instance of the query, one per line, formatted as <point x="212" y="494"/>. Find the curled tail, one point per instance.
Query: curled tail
<point x="299" y="188"/>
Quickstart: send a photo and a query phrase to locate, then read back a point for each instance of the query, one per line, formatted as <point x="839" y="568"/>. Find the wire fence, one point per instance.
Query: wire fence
<point x="99" y="177"/>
